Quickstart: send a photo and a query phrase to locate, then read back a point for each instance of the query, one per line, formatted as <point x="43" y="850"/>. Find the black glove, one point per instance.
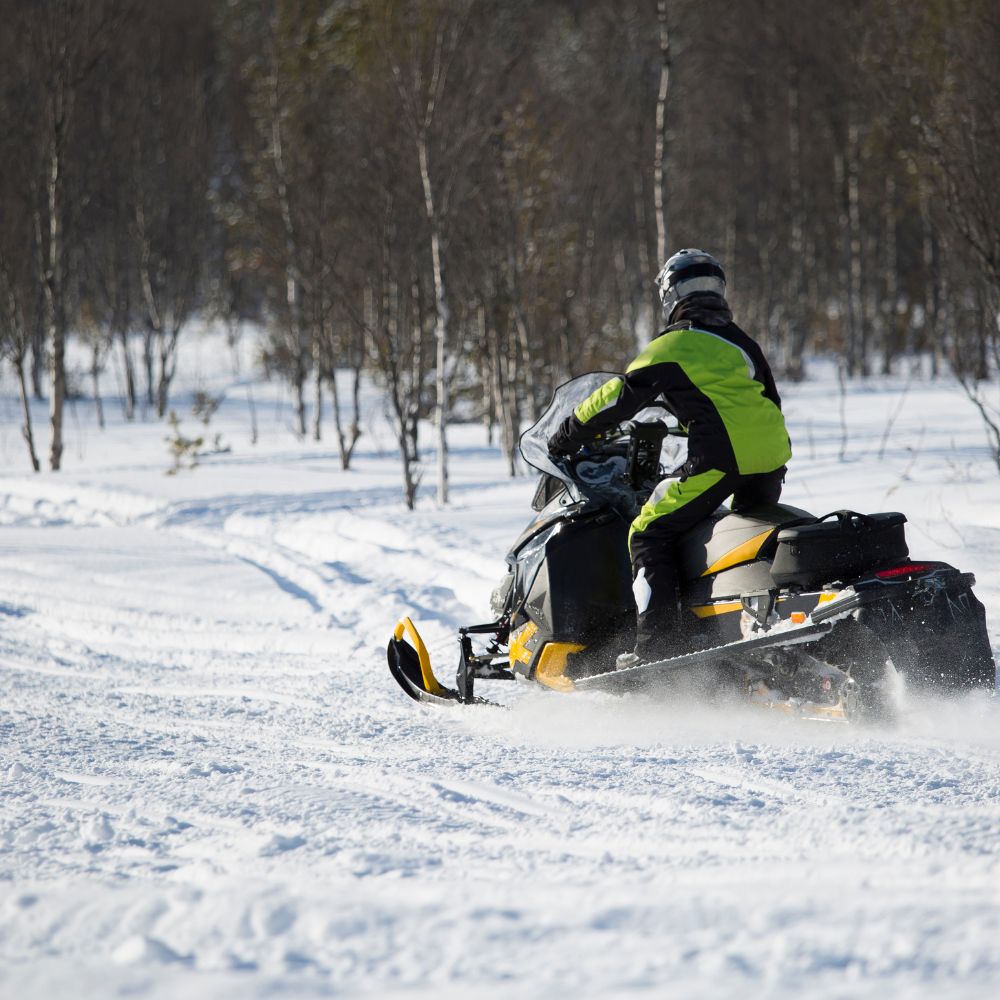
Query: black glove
<point x="561" y="444"/>
<point x="558" y="448"/>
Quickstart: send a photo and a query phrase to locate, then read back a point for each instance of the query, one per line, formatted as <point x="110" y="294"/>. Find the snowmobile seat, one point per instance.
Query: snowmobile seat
<point x="730" y="539"/>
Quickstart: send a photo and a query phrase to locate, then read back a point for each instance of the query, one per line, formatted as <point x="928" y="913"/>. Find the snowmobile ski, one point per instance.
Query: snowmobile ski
<point x="628" y="676"/>
<point x="410" y="665"/>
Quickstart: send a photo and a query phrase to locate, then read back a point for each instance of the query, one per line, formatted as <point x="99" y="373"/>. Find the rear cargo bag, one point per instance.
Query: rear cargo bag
<point x="838" y="546"/>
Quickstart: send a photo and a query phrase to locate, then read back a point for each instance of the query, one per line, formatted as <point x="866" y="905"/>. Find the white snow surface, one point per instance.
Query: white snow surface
<point x="211" y="787"/>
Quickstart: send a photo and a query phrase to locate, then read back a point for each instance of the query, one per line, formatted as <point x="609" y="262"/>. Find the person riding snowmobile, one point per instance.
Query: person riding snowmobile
<point x="716" y="381"/>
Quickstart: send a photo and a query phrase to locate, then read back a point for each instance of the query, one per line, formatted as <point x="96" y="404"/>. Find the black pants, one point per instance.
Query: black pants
<point x="675" y="507"/>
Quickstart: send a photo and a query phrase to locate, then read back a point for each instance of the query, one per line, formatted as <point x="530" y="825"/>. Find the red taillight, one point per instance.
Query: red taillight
<point x="908" y="569"/>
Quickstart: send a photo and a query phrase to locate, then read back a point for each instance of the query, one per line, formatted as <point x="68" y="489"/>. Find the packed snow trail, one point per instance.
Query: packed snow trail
<point x="210" y="786"/>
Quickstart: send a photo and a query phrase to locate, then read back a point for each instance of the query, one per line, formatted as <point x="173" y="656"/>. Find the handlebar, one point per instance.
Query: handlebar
<point x="637" y="442"/>
<point x="627" y="428"/>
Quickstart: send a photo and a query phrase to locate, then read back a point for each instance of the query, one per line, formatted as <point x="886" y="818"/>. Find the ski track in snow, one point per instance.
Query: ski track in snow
<point x="209" y="784"/>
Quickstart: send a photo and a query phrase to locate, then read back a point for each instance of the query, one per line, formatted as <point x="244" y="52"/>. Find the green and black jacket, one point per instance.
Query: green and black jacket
<point x="716" y="381"/>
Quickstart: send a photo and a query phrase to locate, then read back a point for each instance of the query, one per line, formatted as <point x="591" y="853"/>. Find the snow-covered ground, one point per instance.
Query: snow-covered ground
<point x="210" y="786"/>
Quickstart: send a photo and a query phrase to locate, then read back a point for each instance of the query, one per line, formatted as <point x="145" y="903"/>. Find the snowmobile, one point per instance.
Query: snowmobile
<point x="812" y="616"/>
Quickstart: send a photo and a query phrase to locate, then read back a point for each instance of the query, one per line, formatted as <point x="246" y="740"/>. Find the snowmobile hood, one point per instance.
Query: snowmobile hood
<point x="555" y="511"/>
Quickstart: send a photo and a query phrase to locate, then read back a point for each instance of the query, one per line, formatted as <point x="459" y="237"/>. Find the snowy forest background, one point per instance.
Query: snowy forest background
<point x="467" y="200"/>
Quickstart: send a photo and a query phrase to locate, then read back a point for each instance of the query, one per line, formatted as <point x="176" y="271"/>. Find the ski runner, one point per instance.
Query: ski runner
<point x="717" y="382"/>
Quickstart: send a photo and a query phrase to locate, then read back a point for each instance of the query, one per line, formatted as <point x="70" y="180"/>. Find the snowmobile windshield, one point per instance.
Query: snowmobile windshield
<point x="604" y="475"/>
<point x="535" y="440"/>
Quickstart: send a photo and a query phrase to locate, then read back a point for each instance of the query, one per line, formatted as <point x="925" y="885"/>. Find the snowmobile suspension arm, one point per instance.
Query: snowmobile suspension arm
<point x="471" y="665"/>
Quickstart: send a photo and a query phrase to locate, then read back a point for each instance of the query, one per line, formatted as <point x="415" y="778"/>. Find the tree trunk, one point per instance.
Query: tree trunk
<point x="529" y="394"/>
<point x="644" y="332"/>
<point x="355" y="429"/>
<point x="944" y="339"/>
<point x="347" y="439"/>
<point x="501" y="395"/>
<point x="147" y="362"/>
<point x="892" y="275"/>
<point x="95" y="374"/>
<point x="512" y="409"/>
<point x="487" y="377"/>
<point x="161" y="396"/>
<point x="411" y="476"/>
<point x="26" y="430"/>
<point x="847" y="302"/>
<point x="440" y="323"/>
<point x="513" y="276"/>
<point x="795" y="333"/>
<point x="168" y="367"/>
<point x="293" y="295"/>
<point x="318" y="390"/>
<point x="55" y="304"/>
<point x="932" y="332"/>
<point x="859" y="352"/>
<point x="624" y="283"/>
<point x="251" y="403"/>
<point x="338" y="425"/>
<point x="129" y="369"/>
<point x="660" y="149"/>
<point x="299" y="404"/>
<point x="38" y="360"/>
<point x="416" y="362"/>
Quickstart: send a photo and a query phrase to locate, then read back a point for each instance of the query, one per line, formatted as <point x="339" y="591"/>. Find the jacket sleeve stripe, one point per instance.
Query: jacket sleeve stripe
<point x="602" y="399"/>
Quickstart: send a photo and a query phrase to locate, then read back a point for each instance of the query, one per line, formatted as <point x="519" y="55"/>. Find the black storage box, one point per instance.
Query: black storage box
<point x="843" y="548"/>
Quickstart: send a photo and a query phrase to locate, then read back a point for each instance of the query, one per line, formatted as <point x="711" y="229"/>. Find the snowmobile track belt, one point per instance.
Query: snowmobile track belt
<point x="785" y="637"/>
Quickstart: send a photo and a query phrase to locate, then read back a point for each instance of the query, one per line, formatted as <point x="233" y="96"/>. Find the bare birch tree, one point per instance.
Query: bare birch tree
<point x="65" y="40"/>
<point x="421" y="74"/>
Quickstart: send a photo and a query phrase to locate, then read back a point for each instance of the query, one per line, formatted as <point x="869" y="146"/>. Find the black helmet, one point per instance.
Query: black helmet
<point x="687" y="272"/>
